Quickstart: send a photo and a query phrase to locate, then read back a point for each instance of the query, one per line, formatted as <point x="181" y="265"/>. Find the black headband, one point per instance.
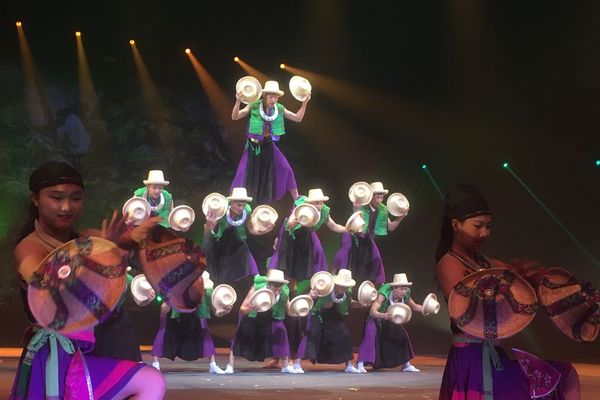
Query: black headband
<point x="54" y="173"/>
<point x="465" y="201"/>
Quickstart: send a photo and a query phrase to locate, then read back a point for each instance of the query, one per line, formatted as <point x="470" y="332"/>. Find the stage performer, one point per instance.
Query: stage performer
<point x="160" y="200"/>
<point x="263" y="169"/>
<point x="57" y="195"/>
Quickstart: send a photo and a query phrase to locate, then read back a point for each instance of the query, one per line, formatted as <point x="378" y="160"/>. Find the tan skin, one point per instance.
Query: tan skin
<point x="236" y="208"/>
<point x="59" y="209"/>
<point x="375" y="202"/>
<point x="269" y="101"/>
<point x="331" y="224"/>
<point x="398" y="293"/>
<point x="469" y="237"/>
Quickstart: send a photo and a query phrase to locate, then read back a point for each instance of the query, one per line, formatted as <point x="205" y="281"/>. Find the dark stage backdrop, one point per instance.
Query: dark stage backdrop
<point x="460" y="86"/>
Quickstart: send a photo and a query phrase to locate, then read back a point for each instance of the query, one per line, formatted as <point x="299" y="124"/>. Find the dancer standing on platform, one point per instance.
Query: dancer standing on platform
<point x="261" y="331"/>
<point x="187" y="335"/>
<point x="57" y="195"/>
<point x="359" y="252"/>
<point x="227" y="254"/>
<point x="161" y="201"/>
<point x="465" y="228"/>
<point x="263" y="169"/>
<point x="386" y="344"/>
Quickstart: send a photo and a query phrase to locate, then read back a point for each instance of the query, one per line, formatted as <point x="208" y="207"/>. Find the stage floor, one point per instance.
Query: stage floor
<point x="191" y="380"/>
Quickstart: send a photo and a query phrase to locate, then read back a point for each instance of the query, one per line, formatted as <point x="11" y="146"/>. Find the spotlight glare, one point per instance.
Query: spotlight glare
<point x="78" y="34"/>
<point x="19" y="24"/>
<point x="282" y="66"/>
<point x="159" y="298"/>
<point x="132" y="42"/>
<point x="597" y="163"/>
<point x="505" y="165"/>
<point x="188" y="51"/>
<point x="236" y="59"/>
<point x="424" y="166"/>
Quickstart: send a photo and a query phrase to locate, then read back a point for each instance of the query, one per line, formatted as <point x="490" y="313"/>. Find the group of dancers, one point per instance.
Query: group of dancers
<point x="73" y="282"/>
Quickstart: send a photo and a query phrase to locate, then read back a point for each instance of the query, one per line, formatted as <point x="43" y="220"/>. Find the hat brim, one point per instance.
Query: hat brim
<point x="344" y="283"/>
<point x="244" y="199"/>
<point x="147" y="182"/>
<point x="314" y="200"/>
<point x="362" y="295"/>
<point x="401" y="284"/>
<point x="278" y="93"/>
<point x="297" y="299"/>
<point x="258" y="293"/>
<point x="177" y="227"/>
<point x="403" y="306"/>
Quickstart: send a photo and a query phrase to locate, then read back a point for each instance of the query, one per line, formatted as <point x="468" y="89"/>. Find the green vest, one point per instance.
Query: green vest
<point x="256" y="124"/>
<point x="127" y="286"/>
<point x="324" y="216"/>
<point x="203" y="309"/>
<point x="381" y="223"/>
<point x="342" y="308"/>
<point x="222" y="224"/>
<point x="278" y="310"/>
<point x="165" y="210"/>
<point x="385" y="290"/>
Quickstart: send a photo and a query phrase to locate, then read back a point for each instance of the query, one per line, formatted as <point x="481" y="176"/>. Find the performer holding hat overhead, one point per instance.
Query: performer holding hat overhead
<point x="263" y="169"/>
<point x="161" y="201"/>
<point x="359" y="252"/>
<point x="386" y="344"/>
<point x="51" y="365"/>
<point x="476" y="368"/>
<point x="261" y="332"/>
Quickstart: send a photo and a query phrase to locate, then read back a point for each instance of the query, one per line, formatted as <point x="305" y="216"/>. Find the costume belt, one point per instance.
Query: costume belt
<point x="489" y="357"/>
<point x="256" y="145"/>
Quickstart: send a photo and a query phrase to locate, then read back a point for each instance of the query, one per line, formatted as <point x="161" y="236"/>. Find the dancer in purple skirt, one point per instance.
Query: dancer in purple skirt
<point x="53" y="372"/>
<point x="465" y="228"/>
<point x="261" y="331"/>
<point x="386" y="344"/>
<point x="263" y="169"/>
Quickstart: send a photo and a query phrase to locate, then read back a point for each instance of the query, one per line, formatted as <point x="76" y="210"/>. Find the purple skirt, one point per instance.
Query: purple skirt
<point x="267" y="176"/>
<point x="187" y="337"/>
<point x="108" y="375"/>
<point x="300" y="256"/>
<point x="261" y="337"/>
<point x="360" y="254"/>
<point x="463" y="376"/>
<point x="385" y="344"/>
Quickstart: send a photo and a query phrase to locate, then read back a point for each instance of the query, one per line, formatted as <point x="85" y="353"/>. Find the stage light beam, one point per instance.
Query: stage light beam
<point x="282" y="66"/>
<point x="19" y="24"/>
<point x="188" y="51"/>
<point x="433" y="181"/>
<point x="78" y="34"/>
<point x="236" y="59"/>
<point x="132" y="42"/>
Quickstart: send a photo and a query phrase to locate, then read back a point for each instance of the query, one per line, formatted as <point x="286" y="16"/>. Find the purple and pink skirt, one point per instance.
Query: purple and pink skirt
<point x="261" y="337"/>
<point x="385" y="344"/>
<point x="186" y="336"/>
<point x="360" y="254"/>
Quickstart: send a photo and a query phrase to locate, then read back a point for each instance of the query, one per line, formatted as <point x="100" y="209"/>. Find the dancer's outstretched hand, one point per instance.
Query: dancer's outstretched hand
<point x="114" y="229"/>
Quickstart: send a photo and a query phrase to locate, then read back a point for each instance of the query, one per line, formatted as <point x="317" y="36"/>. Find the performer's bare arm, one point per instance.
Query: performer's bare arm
<point x="392" y="225"/>
<point x="28" y="256"/>
<point x="237" y="113"/>
<point x="331" y="224"/>
<point x="374" y="311"/>
<point x="299" y="115"/>
<point x="414" y="306"/>
<point x="245" y="307"/>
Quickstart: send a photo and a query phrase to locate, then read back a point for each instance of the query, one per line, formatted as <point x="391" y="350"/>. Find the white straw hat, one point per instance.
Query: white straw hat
<point x="315" y="195"/>
<point x="276" y="275"/>
<point x="181" y="218"/>
<point x="300" y="306"/>
<point x="223" y="296"/>
<point x="155" y="177"/>
<point x="430" y="305"/>
<point x="399" y="313"/>
<point x="300" y="88"/>
<point x="250" y="89"/>
<point x="344" y="278"/>
<point x="367" y="293"/>
<point x="400" y="280"/>
<point x="239" y="194"/>
<point x="361" y="193"/>
<point x="307" y="215"/>
<point x="216" y="203"/>
<point x="141" y="290"/>
<point x="263" y="218"/>
<point x="262" y="300"/>
<point x="355" y="223"/>
<point x="272" y="87"/>
<point x="137" y="209"/>
<point x="208" y="284"/>
<point x="322" y="283"/>
<point x="398" y="204"/>
<point x="378" y="188"/>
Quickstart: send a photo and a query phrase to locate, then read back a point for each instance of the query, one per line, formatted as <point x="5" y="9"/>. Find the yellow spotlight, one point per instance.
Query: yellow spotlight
<point x="282" y="66"/>
<point x="77" y="33"/>
<point x="132" y="42"/>
<point x="236" y="59"/>
<point x="19" y="24"/>
<point x="187" y="51"/>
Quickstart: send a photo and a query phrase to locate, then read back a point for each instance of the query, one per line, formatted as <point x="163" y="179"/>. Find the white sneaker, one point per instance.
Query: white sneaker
<point x="288" y="370"/>
<point x="298" y="369"/>
<point x="350" y="369"/>
<point x="229" y="369"/>
<point x="213" y="368"/>
<point x="362" y="370"/>
<point x="410" y="368"/>
<point x="156" y="365"/>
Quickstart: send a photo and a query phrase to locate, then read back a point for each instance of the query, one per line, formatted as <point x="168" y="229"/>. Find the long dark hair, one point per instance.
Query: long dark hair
<point x="445" y="240"/>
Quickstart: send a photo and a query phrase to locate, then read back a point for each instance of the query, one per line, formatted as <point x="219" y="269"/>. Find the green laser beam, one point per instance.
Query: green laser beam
<point x="432" y="180"/>
<point x="566" y="230"/>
